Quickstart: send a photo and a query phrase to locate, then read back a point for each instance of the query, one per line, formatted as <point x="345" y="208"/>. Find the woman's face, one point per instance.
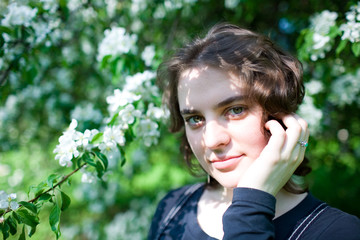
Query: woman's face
<point x="225" y="133"/>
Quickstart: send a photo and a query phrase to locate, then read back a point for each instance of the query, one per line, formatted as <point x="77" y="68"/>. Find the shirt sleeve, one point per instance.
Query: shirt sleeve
<point x="250" y="215"/>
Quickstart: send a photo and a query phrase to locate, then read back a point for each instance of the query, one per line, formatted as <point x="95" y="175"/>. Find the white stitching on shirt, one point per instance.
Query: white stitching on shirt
<point x="307" y="225"/>
<point x="304" y="221"/>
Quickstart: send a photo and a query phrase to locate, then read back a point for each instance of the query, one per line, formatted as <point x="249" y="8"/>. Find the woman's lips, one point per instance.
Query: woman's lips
<point x="227" y="163"/>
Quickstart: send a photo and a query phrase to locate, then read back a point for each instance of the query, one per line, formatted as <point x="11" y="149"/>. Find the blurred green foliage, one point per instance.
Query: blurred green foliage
<point x="44" y="82"/>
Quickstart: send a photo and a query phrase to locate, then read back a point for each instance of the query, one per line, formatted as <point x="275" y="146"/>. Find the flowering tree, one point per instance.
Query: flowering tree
<point x="29" y="32"/>
<point x="330" y="51"/>
<point x="92" y="64"/>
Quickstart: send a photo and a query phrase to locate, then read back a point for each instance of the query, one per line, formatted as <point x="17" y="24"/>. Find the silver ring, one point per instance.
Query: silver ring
<point x="303" y="143"/>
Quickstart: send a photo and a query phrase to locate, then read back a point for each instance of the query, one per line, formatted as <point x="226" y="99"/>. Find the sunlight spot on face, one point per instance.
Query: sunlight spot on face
<point x="236" y="82"/>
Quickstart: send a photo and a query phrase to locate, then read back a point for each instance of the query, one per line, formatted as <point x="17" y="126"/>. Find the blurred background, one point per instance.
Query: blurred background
<point x="54" y="68"/>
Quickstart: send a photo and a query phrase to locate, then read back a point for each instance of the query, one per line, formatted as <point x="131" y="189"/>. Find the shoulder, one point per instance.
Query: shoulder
<point x="172" y="200"/>
<point x="173" y="196"/>
<point x="333" y="223"/>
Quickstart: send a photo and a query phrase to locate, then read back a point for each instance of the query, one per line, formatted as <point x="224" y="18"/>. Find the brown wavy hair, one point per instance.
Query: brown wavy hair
<point x="272" y="78"/>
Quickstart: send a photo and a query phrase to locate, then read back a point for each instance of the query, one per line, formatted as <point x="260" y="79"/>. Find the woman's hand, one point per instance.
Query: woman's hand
<point x="280" y="157"/>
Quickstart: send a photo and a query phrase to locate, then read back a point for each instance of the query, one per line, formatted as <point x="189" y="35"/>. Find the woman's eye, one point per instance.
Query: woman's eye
<point x="235" y="111"/>
<point x="194" y="121"/>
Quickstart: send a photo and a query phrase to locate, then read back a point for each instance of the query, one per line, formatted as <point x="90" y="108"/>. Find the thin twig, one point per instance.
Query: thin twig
<point x="50" y="189"/>
<point x="59" y="183"/>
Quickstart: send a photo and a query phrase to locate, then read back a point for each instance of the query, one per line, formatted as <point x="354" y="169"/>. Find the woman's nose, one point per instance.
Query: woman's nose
<point x="215" y="135"/>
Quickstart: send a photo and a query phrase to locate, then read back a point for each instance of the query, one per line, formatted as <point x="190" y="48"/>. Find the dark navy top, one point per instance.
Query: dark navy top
<point x="250" y="216"/>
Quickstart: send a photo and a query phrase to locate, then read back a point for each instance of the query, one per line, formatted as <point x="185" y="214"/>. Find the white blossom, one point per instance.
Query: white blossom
<point x="88" y="14"/>
<point x="111" y="151"/>
<point x="50" y="5"/>
<point x="41" y="31"/>
<point x="148" y="131"/>
<point x="136" y="82"/>
<point x="351" y="29"/>
<point x="346" y="89"/>
<point x="122" y="227"/>
<point x="141" y="84"/>
<point x="231" y="4"/>
<point x="321" y="24"/>
<point x="320" y="41"/>
<point x="172" y="4"/>
<point x="72" y="143"/>
<point x="311" y="114"/>
<point x="137" y="25"/>
<point x="156" y="113"/>
<point x="116" y="42"/>
<point x="19" y="15"/>
<point x="67" y="147"/>
<point x="74" y="4"/>
<point x="88" y="177"/>
<point x="84" y="139"/>
<point x="128" y="114"/>
<point x="160" y="12"/>
<point x="3" y="200"/>
<point x="111" y="7"/>
<point x="114" y="134"/>
<point x="137" y="6"/>
<point x="148" y="55"/>
<point x="120" y="98"/>
<point x="8" y="201"/>
<point x="314" y="87"/>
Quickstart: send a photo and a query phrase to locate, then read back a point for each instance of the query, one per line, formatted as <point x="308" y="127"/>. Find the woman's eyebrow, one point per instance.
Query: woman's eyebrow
<point x="223" y="103"/>
<point x="230" y="100"/>
<point x="188" y="111"/>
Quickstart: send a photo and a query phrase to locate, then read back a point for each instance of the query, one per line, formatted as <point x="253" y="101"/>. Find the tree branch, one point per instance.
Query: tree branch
<point x="58" y="184"/>
<point x="50" y="189"/>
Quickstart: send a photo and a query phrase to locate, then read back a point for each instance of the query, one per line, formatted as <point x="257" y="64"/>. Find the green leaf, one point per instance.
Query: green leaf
<point x="29" y="206"/>
<point x="97" y="138"/>
<point x="130" y="134"/>
<point x="334" y="31"/>
<point x="31" y="230"/>
<point x="99" y="169"/>
<point x="341" y="46"/>
<point x="5" y="29"/>
<point x="22" y="235"/>
<point x="39" y="189"/>
<point x="122" y="156"/>
<point x="119" y="67"/>
<point x="12" y="225"/>
<point x="27" y="218"/>
<point x="65" y="201"/>
<point x="356" y="49"/>
<point x="58" y="198"/>
<point x="103" y="159"/>
<point x="105" y="61"/>
<point x="113" y="119"/>
<point x="54" y="220"/>
<point x="88" y="158"/>
<point x="15" y="216"/>
<point x="45" y="197"/>
<point x="4" y="227"/>
<point x="52" y="179"/>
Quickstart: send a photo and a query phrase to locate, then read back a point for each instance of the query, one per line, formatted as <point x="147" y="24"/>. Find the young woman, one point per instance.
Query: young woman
<point x="234" y="94"/>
